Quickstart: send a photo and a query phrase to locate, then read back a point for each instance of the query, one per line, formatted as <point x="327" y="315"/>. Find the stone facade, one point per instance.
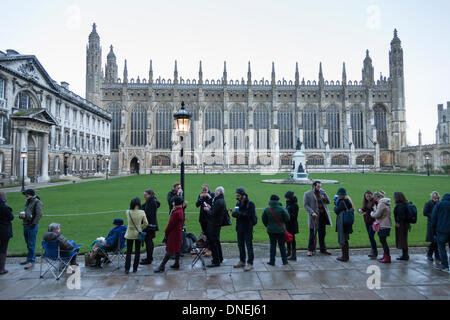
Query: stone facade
<point x="61" y="133"/>
<point x="252" y="125"/>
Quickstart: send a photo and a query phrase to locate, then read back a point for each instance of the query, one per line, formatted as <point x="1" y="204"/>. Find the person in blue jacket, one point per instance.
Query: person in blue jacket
<point x="114" y="238"/>
<point x="440" y="223"/>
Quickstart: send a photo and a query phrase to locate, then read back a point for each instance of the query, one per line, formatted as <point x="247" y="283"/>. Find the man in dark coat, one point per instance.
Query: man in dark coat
<point x="150" y="208"/>
<point x="176" y="191"/>
<point x="440" y="222"/>
<point x="427" y="211"/>
<point x="216" y="214"/>
<point x="245" y="220"/>
<point x="292" y="225"/>
<point x="6" y="216"/>
<point x="33" y="213"/>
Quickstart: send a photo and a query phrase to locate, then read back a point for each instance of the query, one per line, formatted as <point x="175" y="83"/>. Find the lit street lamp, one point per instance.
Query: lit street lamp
<point x="182" y="127"/>
<point x="428" y="167"/>
<point x="23" y="155"/>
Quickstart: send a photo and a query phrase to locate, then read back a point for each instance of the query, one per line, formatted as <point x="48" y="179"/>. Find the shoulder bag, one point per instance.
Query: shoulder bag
<point x="349" y="216"/>
<point x="288" y="237"/>
<point x="142" y="234"/>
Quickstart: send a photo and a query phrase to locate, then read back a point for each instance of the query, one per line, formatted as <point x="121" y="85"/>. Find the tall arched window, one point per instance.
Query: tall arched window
<point x="116" y="123"/>
<point x="261" y="123"/>
<point x="164" y="122"/>
<point x="380" y="125"/>
<point x="237" y="127"/>
<point x="357" y="127"/>
<point x="24" y="101"/>
<point x="191" y="139"/>
<point x="309" y="120"/>
<point x="334" y="127"/>
<point x="138" y="133"/>
<point x="213" y="126"/>
<point x="285" y="125"/>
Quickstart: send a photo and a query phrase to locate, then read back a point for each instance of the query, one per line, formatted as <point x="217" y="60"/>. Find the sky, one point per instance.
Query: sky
<point x="282" y="31"/>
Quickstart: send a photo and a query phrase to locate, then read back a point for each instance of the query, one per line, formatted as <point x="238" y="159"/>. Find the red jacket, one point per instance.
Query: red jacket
<point x="174" y="231"/>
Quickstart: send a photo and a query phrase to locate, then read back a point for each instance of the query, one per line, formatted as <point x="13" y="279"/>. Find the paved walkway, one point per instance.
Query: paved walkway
<point x="309" y="278"/>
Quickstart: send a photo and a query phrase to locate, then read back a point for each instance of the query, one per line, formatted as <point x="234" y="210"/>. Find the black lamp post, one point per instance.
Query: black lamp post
<point x="23" y="155"/>
<point x="428" y="167"/>
<point x="363" y="162"/>
<point x="107" y="167"/>
<point x="182" y="126"/>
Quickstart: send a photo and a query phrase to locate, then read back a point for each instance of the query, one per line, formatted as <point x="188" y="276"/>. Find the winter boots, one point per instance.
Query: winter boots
<point x="345" y="253"/>
<point x="3" y="263"/>
<point x="386" y="259"/>
<point x="176" y="265"/>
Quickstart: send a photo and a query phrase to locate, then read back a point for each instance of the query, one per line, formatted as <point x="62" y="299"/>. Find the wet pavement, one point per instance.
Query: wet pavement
<point x="320" y="277"/>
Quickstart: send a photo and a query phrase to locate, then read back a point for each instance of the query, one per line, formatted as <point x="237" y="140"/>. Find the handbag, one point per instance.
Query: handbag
<point x="288" y="237"/>
<point x="349" y="216"/>
<point x="226" y="219"/>
<point x="142" y="234"/>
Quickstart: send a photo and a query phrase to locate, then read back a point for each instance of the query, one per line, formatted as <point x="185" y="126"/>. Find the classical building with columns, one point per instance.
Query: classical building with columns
<point x="60" y="132"/>
<point x="248" y="125"/>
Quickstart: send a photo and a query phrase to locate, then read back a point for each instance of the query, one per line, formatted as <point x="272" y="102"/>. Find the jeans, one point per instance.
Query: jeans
<point x="30" y="239"/>
<point x="321" y="235"/>
<point x="137" y="253"/>
<point x="442" y="239"/>
<point x="371" y="234"/>
<point x="245" y="239"/>
<point x="274" y="238"/>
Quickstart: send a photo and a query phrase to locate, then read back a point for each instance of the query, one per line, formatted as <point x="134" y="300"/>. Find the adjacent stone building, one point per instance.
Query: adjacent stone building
<point x="61" y="133"/>
<point x="252" y="125"/>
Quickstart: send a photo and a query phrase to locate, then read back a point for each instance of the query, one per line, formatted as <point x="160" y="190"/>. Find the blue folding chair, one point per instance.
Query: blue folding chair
<point x="57" y="261"/>
<point x="118" y="254"/>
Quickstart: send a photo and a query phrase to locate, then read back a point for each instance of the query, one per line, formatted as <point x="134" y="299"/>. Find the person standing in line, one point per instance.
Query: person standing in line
<point x="292" y="225"/>
<point x="31" y="217"/>
<point x="367" y="207"/>
<point x="137" y="222"/>
<point x="176" y="191"/>
<point x="343" y="204"/>
<point x="6" y="233"/>
<point x="440" y="223"/>
<point x="382" y="214"/>
<point x="173" y="233"/>
<point x="427" y="211"/>
<point x="216" y="214"/>
<point x="402" y="225"/>
<point x="315" y="203"/>
<point x="245" y="220"/>
<point x="275" y="218"/>
<point x="150" y="208"/>
<point x="204" y="199"/>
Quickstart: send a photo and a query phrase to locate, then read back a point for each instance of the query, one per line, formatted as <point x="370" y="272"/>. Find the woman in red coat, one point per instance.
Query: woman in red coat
<point x="173" y="234"/>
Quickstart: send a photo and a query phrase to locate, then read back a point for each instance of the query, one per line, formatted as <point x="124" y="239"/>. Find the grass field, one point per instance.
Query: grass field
<point x="115" y="195"/>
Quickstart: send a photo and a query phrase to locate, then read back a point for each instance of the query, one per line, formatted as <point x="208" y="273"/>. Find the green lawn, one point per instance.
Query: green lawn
<point x="115" y="195"/>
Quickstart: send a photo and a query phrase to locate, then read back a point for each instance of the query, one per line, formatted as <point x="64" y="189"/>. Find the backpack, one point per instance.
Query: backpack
<point x="412" y="213"/>
<point x="187" y="243"/>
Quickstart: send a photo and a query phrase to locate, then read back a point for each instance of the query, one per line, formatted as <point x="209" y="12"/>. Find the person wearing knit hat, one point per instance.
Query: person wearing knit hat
<point x="343" y="205"/>
<point x="292" y="224"/>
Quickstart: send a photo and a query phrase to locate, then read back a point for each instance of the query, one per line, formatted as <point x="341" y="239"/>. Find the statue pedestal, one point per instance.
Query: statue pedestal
<point x="298" y="172"/>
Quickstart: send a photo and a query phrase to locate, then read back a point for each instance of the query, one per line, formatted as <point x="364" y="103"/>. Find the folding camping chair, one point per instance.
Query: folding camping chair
<point x="56" y="263"/>
<point x="118" y="254"/>
<point x="200" y="247"/>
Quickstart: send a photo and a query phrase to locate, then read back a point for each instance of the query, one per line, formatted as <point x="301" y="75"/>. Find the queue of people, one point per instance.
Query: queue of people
<point x="281" y="224"/>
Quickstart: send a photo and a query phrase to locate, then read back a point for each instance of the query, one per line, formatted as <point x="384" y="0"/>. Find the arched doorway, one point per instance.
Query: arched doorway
<point x="32" y="161"/>
<point x="134" y="165"/>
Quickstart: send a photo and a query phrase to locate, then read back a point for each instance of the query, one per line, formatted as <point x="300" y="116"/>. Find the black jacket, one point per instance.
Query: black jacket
<point x="401" y="213"/>
<point x="6" y="216"/>
<point x="215" y="217"/>
<point x="150" y="208"/>
<point x="292" y="209"/>
<point x="343" y="205"/>
<point x="170" y="196"/>
<point x="203" y="217"/>
<point x="427" y="211"/>
<point x="244" y="218"/>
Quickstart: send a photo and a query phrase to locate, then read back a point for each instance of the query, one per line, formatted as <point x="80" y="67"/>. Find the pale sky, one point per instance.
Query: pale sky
<point x="283" y="31"/>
